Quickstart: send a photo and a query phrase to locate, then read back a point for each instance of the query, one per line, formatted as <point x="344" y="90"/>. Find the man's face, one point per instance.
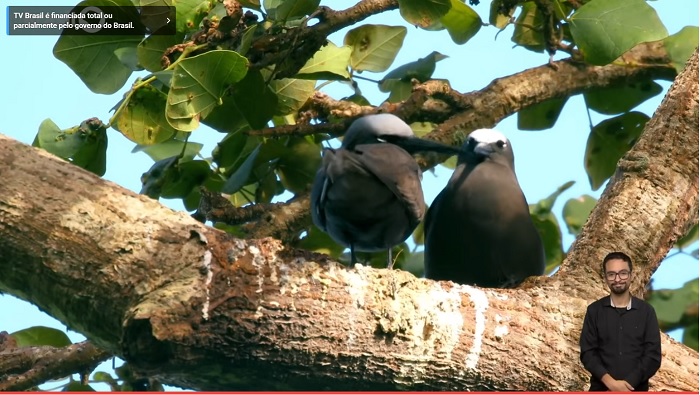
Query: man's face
<point x="618" y="276"/>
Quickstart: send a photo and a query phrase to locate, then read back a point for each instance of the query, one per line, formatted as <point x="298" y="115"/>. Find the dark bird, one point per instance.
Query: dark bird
<point x="478" y="231"/>
<point x="367" y="194"/>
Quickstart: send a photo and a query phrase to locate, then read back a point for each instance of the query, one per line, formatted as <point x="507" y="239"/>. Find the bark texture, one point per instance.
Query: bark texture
<point x="24" y="368"/>
<point x="652" y="199"/>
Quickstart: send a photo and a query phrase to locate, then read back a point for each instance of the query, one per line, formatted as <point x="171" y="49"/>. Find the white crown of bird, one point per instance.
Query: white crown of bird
<point x="488" y="136"/>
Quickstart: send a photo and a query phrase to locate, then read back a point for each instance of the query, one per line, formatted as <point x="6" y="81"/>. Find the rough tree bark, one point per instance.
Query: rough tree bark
<point x="199" y="308"/>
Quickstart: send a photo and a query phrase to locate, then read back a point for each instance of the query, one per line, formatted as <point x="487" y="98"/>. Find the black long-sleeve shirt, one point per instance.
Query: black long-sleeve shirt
<point x="625" y="343"/>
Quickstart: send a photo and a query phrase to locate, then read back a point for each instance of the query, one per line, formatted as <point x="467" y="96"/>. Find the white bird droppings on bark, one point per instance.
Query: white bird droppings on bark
<point x="206" y="263"/>
<point x="481" y="304"/>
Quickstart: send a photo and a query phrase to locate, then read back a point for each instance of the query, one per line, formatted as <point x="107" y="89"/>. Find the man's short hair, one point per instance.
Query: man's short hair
<point x="617" y="255"/>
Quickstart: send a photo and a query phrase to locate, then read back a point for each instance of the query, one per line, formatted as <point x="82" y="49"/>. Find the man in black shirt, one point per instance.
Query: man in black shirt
<point x="620" y="340"/>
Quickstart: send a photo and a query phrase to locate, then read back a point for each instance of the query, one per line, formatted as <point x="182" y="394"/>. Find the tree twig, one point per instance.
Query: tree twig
<point x="22" y="368"/>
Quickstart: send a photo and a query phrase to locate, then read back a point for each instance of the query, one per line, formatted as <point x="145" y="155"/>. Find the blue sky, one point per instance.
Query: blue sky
<point x="38" y="86"/>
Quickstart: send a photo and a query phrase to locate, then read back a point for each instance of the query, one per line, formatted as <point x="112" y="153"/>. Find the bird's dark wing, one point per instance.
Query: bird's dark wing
<point x="319" y="188"/>
<point x="428" y="221"/>
<point x="396" y="169"/>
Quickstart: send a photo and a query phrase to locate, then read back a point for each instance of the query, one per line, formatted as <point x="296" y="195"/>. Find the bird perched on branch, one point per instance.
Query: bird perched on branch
<point x="367" y="194"/>
<point x="478" y="231"/>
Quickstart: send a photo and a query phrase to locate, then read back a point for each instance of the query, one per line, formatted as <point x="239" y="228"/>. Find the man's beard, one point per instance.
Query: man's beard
<point x="619" y="289"/>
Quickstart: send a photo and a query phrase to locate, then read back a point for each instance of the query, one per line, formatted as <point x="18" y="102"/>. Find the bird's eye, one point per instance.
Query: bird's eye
<point x="381" y="140"/>
<point x="500" y="143"/>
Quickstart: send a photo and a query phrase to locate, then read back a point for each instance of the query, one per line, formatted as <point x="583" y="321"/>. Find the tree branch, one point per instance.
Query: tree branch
<point x="282" y="221"/>
<point x="291" y="50"/>
<point x="26" y="367"/>
<point x="459" y="113"/>
<point x="508" y="95"/>
<point x="658" y="177"/>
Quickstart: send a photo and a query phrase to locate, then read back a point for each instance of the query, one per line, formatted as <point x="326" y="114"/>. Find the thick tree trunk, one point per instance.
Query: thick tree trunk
<point x="201" y="309"/>
<point x="652" y="199"/>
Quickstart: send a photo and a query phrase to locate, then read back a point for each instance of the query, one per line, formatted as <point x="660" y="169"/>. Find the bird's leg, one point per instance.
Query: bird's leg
<point x="353" y="258"/>
<point x="389" y="262"/>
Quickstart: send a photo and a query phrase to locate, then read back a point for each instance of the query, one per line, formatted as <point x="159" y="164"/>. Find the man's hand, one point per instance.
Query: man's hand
<point x="616" y="385"/>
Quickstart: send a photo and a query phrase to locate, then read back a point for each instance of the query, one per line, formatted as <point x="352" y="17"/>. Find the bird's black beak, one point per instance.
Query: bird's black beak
<point x="414" y="145"/>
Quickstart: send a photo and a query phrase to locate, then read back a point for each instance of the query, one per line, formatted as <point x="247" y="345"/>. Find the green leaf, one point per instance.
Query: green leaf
<point x="548" y="227"/>
<point x="292" y="9"/>
<point x="198" y="85"/>
<point x="545" y="205"/>
<point x="672" y="304"/>
<point x="189" y="13"/>
<point x="167" y="149"/>
<point x="217" y="13"/>
<point x="239" y="178"/>
<point x="419" y="234"/>
<point x="161" y="173"/>
<point x="128" y="57"/>
<point x="297" y="167"/>
<point x="608" y="142"/>
<point x="93" y="156"/>
<point x="61" y="143"/>
<point x="254" y="4"/>
<point x="549" y="231"/>
<point x="358" y="99"/>
<point x="104" y="377"/>
<point x="528" y="28"/>
<point x="250" y="104"/>
<point x="318" y="241"/>
<point x="603" y="29"/>
<point x="576" y="212"/>
<point x="680" y="47"/>
<point x="151" y="50"/>
<point x="84" y="145"/>
<point x="421" y="69"/>
<point x="247" y="40"/>
<point x="229" y="150"/>
<point x="414" y="263"/>
<point x="690" y="334"/>
<point x="155" y="18"/>
<point x="142" y="120"/>
<point x="450" y="163"/>
<point x="617" y="99"/>
<point x="291" y="94"/>
<point x="164" y="77"/>
<point x="93" y="58"/>
<point x="329" y="63"/>
<point x="400" y="90"/>
<point x="398" y="81"/>
<point x="462" y="22"/>
<point x="41" y="336"/>
<point x="562" y="9"/>
<point x="423" y="13"/>
<point x="268" y="188"/>
<point x="374" y="47"/>
<point x="542" y="115"/>
<point x="188" y="176"/>
<point x="499" y="15"/>
<point x="420" y="129"/>
<point x="688" y="239"/>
